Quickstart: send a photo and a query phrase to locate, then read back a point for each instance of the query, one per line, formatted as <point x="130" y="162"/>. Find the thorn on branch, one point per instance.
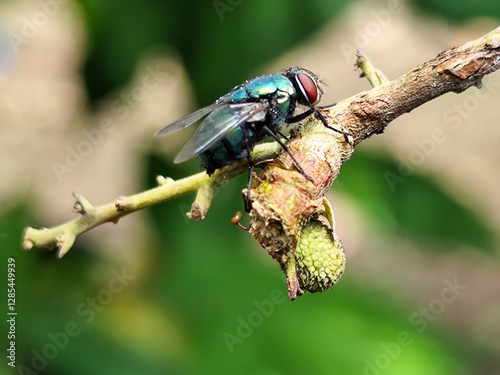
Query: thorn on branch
<point x="122" y="204"/>
<point x="163" y="181"/>
<point x="82" y="205"/>
<point x="27" y="243"/>
<point x="64" y="243"/>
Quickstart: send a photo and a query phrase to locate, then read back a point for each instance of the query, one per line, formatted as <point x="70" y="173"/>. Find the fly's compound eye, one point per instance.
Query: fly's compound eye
<point x="309" y="88"/>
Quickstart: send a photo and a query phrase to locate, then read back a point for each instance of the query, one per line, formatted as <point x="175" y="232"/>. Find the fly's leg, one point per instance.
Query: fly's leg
<point x="325" y="106"/>
<point x="275" y="137"/>
<point x="247" y="201"/>
<point x="320" y="117"/>
<point x="301" y="116"/>
<point x="284" y="136"/>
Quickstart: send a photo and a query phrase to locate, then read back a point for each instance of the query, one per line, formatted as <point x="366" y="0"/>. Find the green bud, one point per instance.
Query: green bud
<point x="319" y="257"/>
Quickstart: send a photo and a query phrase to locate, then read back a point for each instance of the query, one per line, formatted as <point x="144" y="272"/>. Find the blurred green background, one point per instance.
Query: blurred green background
<point x="202" y="297"/>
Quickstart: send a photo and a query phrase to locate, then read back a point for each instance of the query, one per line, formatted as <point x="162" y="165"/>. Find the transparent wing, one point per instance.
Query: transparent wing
<point x="185" y="121"/>
<point x="218" y="124"/>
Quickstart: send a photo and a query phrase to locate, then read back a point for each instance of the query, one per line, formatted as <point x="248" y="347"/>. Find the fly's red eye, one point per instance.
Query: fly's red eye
<point x="309" y="87"/>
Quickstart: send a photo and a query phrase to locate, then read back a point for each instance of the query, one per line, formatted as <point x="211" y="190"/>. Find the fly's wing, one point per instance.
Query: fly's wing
<point x="218" y="124"/>
<point x="187" y="120"/>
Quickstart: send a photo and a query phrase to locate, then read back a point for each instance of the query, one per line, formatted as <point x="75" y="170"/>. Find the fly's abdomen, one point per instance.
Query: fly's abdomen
<point x="233" y="147"/>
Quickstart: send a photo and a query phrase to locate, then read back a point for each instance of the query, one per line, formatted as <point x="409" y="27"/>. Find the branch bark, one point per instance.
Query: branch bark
<point x="283" y="200"/>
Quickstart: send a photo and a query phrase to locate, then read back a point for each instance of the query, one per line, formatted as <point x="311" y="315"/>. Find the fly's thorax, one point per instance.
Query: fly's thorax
<point x="267" y="86"/>
<point x="263" y="90"/>
<point x="239" y="95"/>
<point x="282" y="102"/>
<point x="279" y="111"/>
<point x="277" y="89"/>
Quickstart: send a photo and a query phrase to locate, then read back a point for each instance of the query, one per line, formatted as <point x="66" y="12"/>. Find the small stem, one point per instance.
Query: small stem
<point x="63" y="236"/>
<point x="168" y="190"/>
<point x="375" y="76"/>
<point x="292" y="282"/>
<point x="201" y="204"/>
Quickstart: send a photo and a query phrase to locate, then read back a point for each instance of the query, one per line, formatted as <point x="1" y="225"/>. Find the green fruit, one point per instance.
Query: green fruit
<point x="319" y="256"/>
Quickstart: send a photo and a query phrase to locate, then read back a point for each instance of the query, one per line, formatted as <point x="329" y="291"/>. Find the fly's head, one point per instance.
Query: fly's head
<point x="307" y="86"/>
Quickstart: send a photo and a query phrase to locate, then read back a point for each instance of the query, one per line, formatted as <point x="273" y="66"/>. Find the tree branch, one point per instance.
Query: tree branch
<point x="283" y="200"/>
<point x="453" y="70"/>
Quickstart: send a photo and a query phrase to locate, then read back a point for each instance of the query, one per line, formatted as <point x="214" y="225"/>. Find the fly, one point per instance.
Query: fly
<point x="237" y="121"/>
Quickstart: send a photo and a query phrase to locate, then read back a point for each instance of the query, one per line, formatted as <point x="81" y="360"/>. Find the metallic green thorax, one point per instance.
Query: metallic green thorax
<point x="274" y="86"/>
